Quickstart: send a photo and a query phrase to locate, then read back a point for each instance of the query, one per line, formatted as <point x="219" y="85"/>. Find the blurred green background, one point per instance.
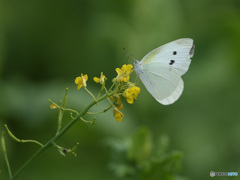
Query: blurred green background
<point x="44" y="45"/>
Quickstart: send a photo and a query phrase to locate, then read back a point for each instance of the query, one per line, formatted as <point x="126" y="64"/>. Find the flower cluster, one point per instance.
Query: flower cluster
<point x="124" y="72"/>
<point x="121" y="88"/>
<point x="131" y="94"/>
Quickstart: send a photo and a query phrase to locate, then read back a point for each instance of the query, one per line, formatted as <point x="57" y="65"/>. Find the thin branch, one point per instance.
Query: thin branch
<point x="105" y="110"/>
<point x="60" y="134"/>
<point x="90" y="94"/>
<point x="21" y="140"/>
<point x="5" y="155"/>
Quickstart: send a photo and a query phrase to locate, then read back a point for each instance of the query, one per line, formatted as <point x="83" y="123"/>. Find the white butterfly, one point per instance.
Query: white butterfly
<point x="161" y="69"/>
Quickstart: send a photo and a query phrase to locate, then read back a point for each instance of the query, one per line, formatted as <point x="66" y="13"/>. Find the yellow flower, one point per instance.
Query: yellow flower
<point x="100" y="80"/>
<point x="81" y="81"/>
<point x="119" y="104"/>
<point x="124" y="72"/>
<point x="52" y="106"/>
<point x="124" y="79"/>
<point x="131" y="94"/>
<point x="127" y="68"/>
<point x="118" y="115"/>
<point x="117" y="101"/>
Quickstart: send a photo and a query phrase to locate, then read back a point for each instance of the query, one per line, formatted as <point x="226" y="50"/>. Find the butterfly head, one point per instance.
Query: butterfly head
<point x="135" y="62"/>
<point x="137" y="66"/>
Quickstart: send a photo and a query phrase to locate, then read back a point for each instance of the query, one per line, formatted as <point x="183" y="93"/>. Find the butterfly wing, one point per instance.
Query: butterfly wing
<point x="163" y="83"/>
<point x="176" y="54"/>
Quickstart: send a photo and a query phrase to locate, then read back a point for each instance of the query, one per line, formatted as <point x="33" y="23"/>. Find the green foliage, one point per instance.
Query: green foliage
<point x="45" y="44"/>
<point x="141" y="157"/>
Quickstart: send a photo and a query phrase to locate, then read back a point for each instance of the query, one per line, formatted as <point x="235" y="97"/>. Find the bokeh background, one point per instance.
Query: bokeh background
<point x="44" y="45"/>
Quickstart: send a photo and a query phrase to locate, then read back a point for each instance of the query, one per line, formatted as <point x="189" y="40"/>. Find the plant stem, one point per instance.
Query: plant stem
<point x="90" y="94"/>
<point x="61" y="111"/>
<point x="64" y="109"/>
<point x="5" y="155"/>
<point x="57" y="136"/>
<point x="21" y="140"/>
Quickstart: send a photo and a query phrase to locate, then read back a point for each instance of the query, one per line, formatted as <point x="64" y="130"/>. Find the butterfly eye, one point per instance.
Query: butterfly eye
<point x="174" y="52"/>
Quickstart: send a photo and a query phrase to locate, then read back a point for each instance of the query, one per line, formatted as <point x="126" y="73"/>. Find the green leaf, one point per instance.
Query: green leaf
<point x="140" y="146"/>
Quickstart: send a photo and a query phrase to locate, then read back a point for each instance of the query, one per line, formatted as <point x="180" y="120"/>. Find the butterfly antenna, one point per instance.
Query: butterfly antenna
<point x="125" y="52"/>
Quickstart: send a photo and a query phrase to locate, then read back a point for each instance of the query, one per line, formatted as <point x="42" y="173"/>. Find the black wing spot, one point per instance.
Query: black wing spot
<point x="191" y="52"/>
<point x="174" y="52"/>
<point x="171" y="62"/>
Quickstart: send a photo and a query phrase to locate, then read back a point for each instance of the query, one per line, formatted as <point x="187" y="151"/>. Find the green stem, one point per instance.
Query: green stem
<point x="5" y="156"/>
<point x="71" y="110"/>
<point x="111" y="87"/>
<point x="90" y="94"/>
<point x="102" y="88"/>
<point x="89" y="122"/>
<point x="57" y="136"/>
<point x="109" y="99"/>
<point x="22" y="140"/>
<point x="61" y="112"/>
<point x="64" y="109"/>
<point x="105" y="110"/>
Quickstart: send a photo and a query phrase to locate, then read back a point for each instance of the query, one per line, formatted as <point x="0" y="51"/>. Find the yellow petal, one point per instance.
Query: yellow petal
<point x="118" y="71"/>
<point x="120" y="106"/>
<point x="136" y="90"/>
<point x="84" y="80"/>
<point x="124" y="79"/>
<point x="118" y="115"/>
<point x="102" y="76"/>
<point x="79" y="86"/>
<point x="102" y="79"/>
<point x="78" y="79"/>
<point x="129" y="68"/>
<point x="124" y="67"/>
<point x="130" y="100"/>
<point x="52" y="106"/>
<point x="85" y="77"/>
<point x="128" y="93"/>
<point x="97" y="80"/>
